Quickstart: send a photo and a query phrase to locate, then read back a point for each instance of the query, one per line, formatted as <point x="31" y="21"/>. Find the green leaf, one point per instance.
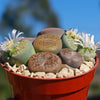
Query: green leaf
<point x="9" y="52"/>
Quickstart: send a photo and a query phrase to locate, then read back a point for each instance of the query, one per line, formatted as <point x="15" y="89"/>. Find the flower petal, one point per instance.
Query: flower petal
<point x="79" y="34"/>
<point x="75" y="30"/>
<point x="70" y="29"/>
<point x="97" y="45"/>
<point x="6" y="39"/>
<point x="13" y="33"/>
<point x="19" y="33"/>
<point x="83" y="36"/>
<point x="92" y="39"/>
<point x="9" y="36"/>
<point x="79" y="44"/>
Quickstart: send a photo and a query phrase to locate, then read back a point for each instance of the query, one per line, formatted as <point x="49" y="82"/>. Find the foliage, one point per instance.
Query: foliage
<point x="5" y="91"/>
<point x="25" y="14"/>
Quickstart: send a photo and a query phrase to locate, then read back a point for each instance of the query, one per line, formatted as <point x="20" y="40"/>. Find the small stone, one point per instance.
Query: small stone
<point x="59" y="75"/>
<point x="77" y="72"/>
<point x="14" y="68"/>
<point x="39" y="75"/>
<point x="71" y="72"/>
<point x="90" y="64"/>
<point x="84" y="68"/>
<point x="50" y="75"/>
<point x="92" y="60"/>
<point x="31" y="74"/>
<point x="65" y="72"/>
<point x="19" y="73"/>
<point x="26" y="73"/>
<point x="23" y="66"/>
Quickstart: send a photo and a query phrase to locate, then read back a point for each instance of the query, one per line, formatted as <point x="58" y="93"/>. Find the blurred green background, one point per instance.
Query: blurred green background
<point x="31" y="16"/>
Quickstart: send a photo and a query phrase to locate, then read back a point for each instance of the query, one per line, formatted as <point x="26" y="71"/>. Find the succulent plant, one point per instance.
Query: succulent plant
<point x="57" y="31"/>
<point x="44" y="62"/>
<point x="4" y="56"/>
<point x="17" y="49"/>
<point x="11" y="43"/>
<point x="71" y="58"/>
<point x="24" y="51"/>
<point x="87" y="46"/>
<point x="48" y="43"/>
<point x="87" y="53"/>
<point x="68" y="39"/>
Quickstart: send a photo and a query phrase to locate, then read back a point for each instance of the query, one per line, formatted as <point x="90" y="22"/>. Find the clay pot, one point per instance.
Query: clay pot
<point x="72" y="88"/>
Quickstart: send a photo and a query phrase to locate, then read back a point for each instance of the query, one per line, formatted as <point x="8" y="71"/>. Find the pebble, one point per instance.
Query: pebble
<point x="84" y="68"/>
<point x="39" y="74"/>
<point x="90" y="64"/>
<point x="92" y="60"/>
<point x="66" y="70"/>
<point x="50" y="75"/>
<point x="77" y="72"/>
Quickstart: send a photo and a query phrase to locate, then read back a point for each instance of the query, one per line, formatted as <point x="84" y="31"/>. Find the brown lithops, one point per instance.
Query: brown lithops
<point x="57" y="31"/>
<point x="44" y="62"/>
<point x="71" y="58"/>
<point x="48" y="43"/>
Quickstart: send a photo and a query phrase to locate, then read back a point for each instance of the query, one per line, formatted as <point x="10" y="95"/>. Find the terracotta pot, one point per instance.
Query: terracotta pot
<point x="72" y="88"/>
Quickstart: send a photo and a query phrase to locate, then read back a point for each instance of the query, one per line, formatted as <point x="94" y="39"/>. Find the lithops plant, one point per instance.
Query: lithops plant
<point x="18" y="49"/>
<point x="44" y="62"/>
<point x="48" y="43"/>
<point x="69" y="37"/>
<point x="4" y="56"/>
<point x="71" y="58"/>
<point x="23" y="51"/>
<point x="57" y="31"/>
<point x="87" y="46"/>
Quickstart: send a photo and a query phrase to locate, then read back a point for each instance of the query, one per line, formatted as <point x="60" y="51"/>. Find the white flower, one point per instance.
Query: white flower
<point x="73" y="33"/>
<point x="11" y="42"/>
<point x="87" y="41"/>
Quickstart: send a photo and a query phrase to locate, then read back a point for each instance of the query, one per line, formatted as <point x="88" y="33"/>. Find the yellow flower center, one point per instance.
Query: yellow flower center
<point x="10" y="43"/>
<point x="71" y="33"/>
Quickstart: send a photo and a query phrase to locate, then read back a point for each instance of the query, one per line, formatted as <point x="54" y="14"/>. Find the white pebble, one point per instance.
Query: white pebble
<point x="31" y="74"/>
<point x="26" y="73"/>
<point x="19" y="73"/>
<point x="65" y="72"/>
<point x="90" y="64"/>
<point x="92" y="60"/>
<point x="59" y="75"/>
<point x="50" y="75"/>
<point x="39" y="74"/>
<point x="14" y="68"/>
<point x="71" y="72"/>
<point x="22" y="68"/>
<point x="84" y="68"/>
<point x="77" y="72"/>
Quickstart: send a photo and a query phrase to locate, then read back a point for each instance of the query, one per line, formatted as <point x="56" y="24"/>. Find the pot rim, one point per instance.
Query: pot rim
<point x="53" y="79"/>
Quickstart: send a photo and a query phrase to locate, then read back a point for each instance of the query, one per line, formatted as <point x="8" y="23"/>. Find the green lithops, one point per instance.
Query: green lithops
<point x="68" y="39"/>
<point x="4" y="56"/>
<point x="23" y="52"/>
<point x="87" y="46"/>
<point x="84" y="44"/>
<point x="68" y="42"/>
<point x="17" y="49"/>
<point x="87" y="53"/>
